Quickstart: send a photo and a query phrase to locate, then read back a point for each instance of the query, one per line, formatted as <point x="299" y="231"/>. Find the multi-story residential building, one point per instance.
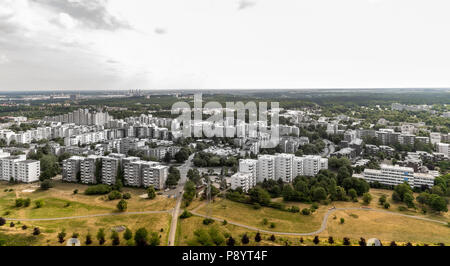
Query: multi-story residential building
<point x="395" y="175"/>
<point x="266" y="168"/>
<point x="435" y="137"/>
<point x="71" y="169"/>
<point x="8" y="166"/>
<point x="27" y="171"/>
<point x="443" y="148"/>
<point x="155" y="176"/>
<point x="242" y="180"/>
<point x="249" y="166"/>
<point x="283" y="167"/>
<point x="313" y="164"/>
<point x="88" y="169"/>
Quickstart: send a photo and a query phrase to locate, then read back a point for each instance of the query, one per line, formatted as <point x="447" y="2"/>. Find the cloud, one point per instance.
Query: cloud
<point x="160" y="31"/>
<point x="3" y="59"/>
<point x="243" y="4"/>
<point x="91" y="13"/>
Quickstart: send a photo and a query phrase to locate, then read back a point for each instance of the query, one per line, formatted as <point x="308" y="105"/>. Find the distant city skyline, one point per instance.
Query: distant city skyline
<point x="214" y="45"/>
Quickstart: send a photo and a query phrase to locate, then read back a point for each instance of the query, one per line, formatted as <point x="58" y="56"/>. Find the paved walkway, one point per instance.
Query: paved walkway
<point x="86" y="216"/>
<point x="324" y="221"/>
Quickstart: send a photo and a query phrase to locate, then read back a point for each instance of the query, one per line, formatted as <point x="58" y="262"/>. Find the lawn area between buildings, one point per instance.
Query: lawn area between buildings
<point x="357" y="223"/>
<point x="60" y="201"/>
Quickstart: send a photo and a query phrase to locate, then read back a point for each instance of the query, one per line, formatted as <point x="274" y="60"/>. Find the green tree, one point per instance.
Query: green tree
<point x="122" y="205"/>
<point x="154" y="239"/>
<point x="101" y="237"/>
<point x="128" y="234"/>
<point x="367" y="198"/>
<point x="141" y="237"/>
<point x="115" y="238"/>
<point x="151" y="192"/>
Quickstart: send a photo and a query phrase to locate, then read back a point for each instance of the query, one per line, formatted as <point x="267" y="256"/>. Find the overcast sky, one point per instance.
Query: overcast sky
<point x="223" y="44"/>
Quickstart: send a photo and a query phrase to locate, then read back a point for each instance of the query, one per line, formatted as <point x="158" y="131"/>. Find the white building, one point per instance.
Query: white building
<point x="266" y="168"/>
<point x="443" y="148"/>
<point x="155" y="176"/>
<point x="435" y="137"/>
<point x="249" y="166"/>
<point x="27" y="171"/>
<point x="283" y="167"/>
<point x="395" y="175"/>
<point x="71" y="168"/>
<point x="88" y="168"/>
<point x="242" y="180"/>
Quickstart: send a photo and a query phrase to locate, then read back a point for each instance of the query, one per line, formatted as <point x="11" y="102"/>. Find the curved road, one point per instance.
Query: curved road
<point x="324" y="221"/>
<point x="86" y="216"/>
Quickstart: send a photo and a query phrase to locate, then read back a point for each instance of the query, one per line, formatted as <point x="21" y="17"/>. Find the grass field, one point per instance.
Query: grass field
<point x="60" y="201"/>
<point x="358" y="223"/>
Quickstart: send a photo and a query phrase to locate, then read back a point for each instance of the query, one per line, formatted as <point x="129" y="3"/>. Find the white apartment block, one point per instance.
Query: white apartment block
<point x="395" y="175"/>
<point x="71" y="168"/>
<point x="110" y="167"/>
<point x="88" y="168"/>
<point x="155" y="176"/>
<point x="19" y="169"/>
<point x="249" y="166"/>
<point x="27" y="171"/>
<point x="283" y="167"/>
<point x="242" y="180"/>
<point x="287" y="166"/>
<point x="266" y="168"/>
<point x="443" y="148"/>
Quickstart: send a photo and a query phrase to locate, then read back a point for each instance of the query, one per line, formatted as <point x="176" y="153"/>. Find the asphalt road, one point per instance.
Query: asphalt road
<point x="179" y="192"/>
<point x="324" y="221"/>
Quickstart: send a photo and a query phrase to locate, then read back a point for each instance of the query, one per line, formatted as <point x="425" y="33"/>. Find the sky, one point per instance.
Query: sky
<point x="223" y="44"/>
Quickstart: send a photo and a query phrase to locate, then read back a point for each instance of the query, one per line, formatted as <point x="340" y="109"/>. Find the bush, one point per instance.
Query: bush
<point x="315" y="206"/>
<point x="98" y="190"/>
<point x="256" y="206"/>
<point x="39" y="204"/>
<point x="346" y="241"/>
<point x="294" y="209"/>
<point x="386" y="205"/>
<point x="367" y="198"/>
<point x="128" y="234"/>
<point x="272" y="225"/>
<point x="46" y="184"/>
<point x="122" y="205"/>
<point x="402" y="208"/>
<point x="126" y="195"/>
<point x="75" y="191"/>
<point x="245" y="240"/>
<point x="88" y="239"/>
<point x="208" y="221"/>
<point x="19" y="202"/>
<point x="316" y="240"/>
<point x="272" y="238"/>
<point x="306" y="211"/>
<point x="2" y="221"/>
<point x="342" y="220"/>
<point x="11" y="224"/>
<point x="27" y="202"/>
<point x="24" y="227"/>
<point x="36" y="231"/>
<point x="185" y="214"/>
<point x="114" y="195"/>
<point x="151" y="193"/>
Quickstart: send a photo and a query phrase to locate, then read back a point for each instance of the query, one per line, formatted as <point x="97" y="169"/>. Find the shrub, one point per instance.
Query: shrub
<point x="75" y="235"/>
<point x="19" y="202"/>
<point x="98" y="190"/>
<point x="39" y="203"/>
<point x="402" y="208"/>
<point x="231" y="241"/>
<point x="122" y="205"/>
<point x="75" y="191"/>
<point x="362" y="242"/>
<point x="36" y="231"/>
<point x="11" y="224"/>
<point x="316" y="240"/>
<point x="245" y="240"/>
<point x="185" y="214"/>
<point x="272" y="238"/>
<point x="128" y="234"/>
<point x="61" y="236"/>
<point x="306" y="211"/>
<point x="2" y="221"/>
<point x="330" y="240"/>
<point x="114" y="195"/>
<point x="386" y="205"/>
<point x="208" y="221"/>
<point x="342" y="220"/>
<point x="346" y="241"/>
<point x="126" y="195"/>
<point x="24" y="227"/>
<point x="88" y="239"/>
<point x="315" y="206"/>
<point x="294" y="209"/>
<point x="272" y="225"/>
<point x="27" y="202"/>
<point x="256" y="206"/>
<point x="46" y="184"/>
